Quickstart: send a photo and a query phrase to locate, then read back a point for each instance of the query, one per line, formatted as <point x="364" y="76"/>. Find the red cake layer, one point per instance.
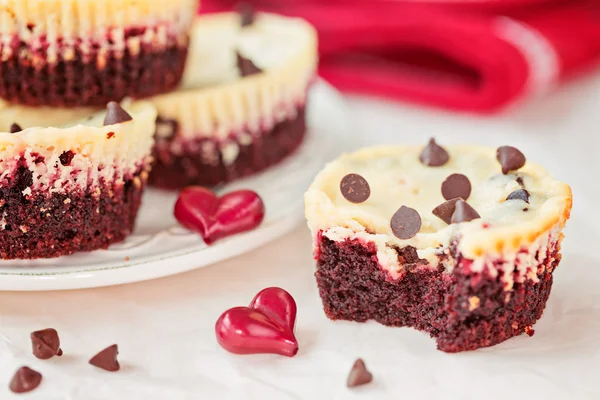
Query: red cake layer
<point x="196" y="167"/>
<point x="92" y="77"/>
<point x="354" y="287"/>
<point x="44" y="225"/>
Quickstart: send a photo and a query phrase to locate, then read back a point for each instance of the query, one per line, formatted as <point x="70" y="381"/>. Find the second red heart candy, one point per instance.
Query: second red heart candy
<point x="201" y="210"/>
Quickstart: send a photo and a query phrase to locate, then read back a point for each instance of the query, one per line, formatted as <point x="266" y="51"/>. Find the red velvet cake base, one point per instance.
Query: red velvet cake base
<point x="353" y="287"/>
<point x="89" y="78"/>
<point x="194" y="167"/>
<point x="43" y="226"/>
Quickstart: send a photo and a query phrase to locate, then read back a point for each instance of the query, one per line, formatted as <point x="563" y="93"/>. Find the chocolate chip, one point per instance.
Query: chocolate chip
<point x="359" y="375"/>
<point x="434" y="155"/>
<point x="14" y="128"/>
<point x="520" y="181"/>
<point x="519" y="194"/>
<point x="247" y="16"/>
<point x="463" y="212"/>
<point x="510" y="159"/>
<point x="445" y="210"/>
<point x="246" y="66"/>
<point x="405" y="223"/>
<point x="107" y="359"/>
<point x="355" y="188"/>
<point x="25" y="380"/>
<point x="115" y="114"/>
<point x="45" y="344"/>
<point x="456" y="185"/>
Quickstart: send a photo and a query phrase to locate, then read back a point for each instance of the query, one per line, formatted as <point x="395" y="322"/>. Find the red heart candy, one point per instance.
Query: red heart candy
<point x="201" y="210"/>
<point x="267" y="326"/>
<point x="278" y="305"/>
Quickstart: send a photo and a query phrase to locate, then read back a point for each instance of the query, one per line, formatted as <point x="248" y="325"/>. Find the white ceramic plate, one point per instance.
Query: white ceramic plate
<point x="159" y="247"/>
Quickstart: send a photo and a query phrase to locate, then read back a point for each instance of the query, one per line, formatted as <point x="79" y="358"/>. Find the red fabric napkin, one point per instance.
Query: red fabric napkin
<point x="464" y="56"/>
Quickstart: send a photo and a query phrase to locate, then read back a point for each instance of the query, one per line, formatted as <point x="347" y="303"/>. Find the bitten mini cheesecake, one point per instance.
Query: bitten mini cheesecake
<point x="89" y="52"/>
<point x="72" y="188"/>
<point x="243" y="100"/>
<point x="458" y="241"/>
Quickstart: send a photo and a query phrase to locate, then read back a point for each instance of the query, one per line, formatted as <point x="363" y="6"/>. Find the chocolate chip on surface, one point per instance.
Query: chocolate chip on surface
<point x="45" y="344"/>
<point x="14" y="128"/>
<point x="107" y="359"/>
<point x="519" y="194"/>
<point x="463" y="212"/>
<point x="445" y="210"/>
<point x="25" y="380"/>
<point x="246" y="66"/>
<point x="434" y="155"/>
<point x="405" y="223"/>
<point x="359" y="375"/>
<point x="115" y="114"/>
<point x="456" y="185"/>
<point x="510" y="158"/>
<point x="355" y="188"/>
<point x="247" y="15"/>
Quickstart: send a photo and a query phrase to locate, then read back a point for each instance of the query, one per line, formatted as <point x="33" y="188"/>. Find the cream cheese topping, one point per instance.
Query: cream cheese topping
<point x="214" y="101"/>
<point x="101" y="153"/>
<point x="397" y="177"/>
<point x="271" y="42"/>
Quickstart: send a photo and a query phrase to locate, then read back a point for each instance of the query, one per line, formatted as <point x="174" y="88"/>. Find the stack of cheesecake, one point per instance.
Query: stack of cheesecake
<point x="99" y="97"/>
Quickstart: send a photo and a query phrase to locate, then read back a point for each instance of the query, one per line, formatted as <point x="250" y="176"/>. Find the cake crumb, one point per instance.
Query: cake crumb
<point x="23" y="228"/>
<point x="529" y="331"/>
<point x="473" y="303"/>
<point x="515" y="325"/>
<point x="67" y="201"/>
<point x="127" y="258"/>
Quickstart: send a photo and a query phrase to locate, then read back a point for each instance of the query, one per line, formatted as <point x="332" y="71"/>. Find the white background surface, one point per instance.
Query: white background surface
<point x="165" y="327"/>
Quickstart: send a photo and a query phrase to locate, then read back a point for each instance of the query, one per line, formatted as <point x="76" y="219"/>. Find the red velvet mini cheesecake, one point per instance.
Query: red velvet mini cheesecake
<point x="241" y="107"/>
<point x="72" y="188"/>
<point x="460" y="242"/>
<point x="89" y="52"/>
